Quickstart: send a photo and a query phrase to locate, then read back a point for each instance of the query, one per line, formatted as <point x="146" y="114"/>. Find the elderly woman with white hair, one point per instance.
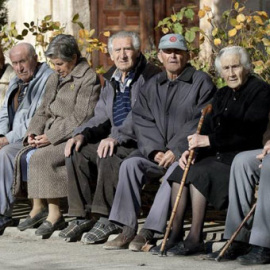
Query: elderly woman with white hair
<point x="236" y="123"/>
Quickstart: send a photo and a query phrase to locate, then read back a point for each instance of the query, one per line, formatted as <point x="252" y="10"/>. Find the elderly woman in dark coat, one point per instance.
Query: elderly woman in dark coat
<point x="237" y="123"/>
<point x="69" y="100"/>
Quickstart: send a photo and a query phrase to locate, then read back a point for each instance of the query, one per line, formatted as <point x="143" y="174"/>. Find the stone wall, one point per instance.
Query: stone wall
<point x="21" y="11"/>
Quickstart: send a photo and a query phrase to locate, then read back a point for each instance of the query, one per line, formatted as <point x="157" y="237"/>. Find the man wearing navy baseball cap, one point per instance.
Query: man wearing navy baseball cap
<point x="166" y="111"/>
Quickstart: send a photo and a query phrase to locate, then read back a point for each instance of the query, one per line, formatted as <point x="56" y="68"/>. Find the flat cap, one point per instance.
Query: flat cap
<point x="173" y="41"/>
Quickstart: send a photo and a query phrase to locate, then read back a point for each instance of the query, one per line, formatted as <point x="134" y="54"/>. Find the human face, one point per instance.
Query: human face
<point x="23" y="63"/>
<point x="174" y="61"/>
<point x="123" y="54"/>
<point x="63" y="68"/>
<point x="232" y="71"/>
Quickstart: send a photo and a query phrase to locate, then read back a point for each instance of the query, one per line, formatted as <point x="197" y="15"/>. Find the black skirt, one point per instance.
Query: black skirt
<point x="210" y="177"/>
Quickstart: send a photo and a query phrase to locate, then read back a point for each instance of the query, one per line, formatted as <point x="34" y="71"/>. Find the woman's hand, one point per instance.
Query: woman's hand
<point x="41" y="140"/>
<point x="31" y="140"/>
<point x="197" y="140"/>
<point x="183" y="160"/>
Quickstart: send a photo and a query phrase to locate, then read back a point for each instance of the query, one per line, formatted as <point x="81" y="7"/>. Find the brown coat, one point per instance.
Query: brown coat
<point x="65" y="106"/>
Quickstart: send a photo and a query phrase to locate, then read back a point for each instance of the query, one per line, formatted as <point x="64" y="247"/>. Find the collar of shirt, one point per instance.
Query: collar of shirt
<point x="185" y="75"/>
<point x="117" y="75"/>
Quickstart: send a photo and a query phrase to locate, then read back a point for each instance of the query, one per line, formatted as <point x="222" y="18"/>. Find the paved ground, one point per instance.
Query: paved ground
<point x="25" y="251"/>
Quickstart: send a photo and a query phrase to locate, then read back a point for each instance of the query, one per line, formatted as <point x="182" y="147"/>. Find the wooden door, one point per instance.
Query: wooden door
<point x="140" y="16"/>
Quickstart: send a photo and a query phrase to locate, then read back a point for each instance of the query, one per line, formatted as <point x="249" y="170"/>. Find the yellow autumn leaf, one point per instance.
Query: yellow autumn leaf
<point x="249" y="19"/>
<point x="82" y="33"/>
<point x="236" y="5"/>
<point x="239" y="26"/>
<point x="214" y="32"/>
<point x="258" y="20"/>
<point x="206" y="8"/>
<point x="241" y="18"/>
<point x="232" y="32"/>
<point x="217" y="41"/>
<point x="267" y="63"/>
<point x="91" y="33"/>
<point x="174" y="17"/>
<point x="241" y="9"/>
<point x="258" y="63"/>
<point x="201" y="13"/>
<point x="262" y="13"/>
<point x="165" y="30"/>
<point x="266" y="41"/>
<point x="106" y="33"/>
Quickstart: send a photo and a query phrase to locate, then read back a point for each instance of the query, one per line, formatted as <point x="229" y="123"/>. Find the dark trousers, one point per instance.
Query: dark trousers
<point x="88" y="174"/>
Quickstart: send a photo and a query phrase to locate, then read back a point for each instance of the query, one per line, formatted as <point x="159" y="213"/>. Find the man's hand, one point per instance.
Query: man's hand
<point x="265" y="151"/>
<point x="3" y="142"/>
<point x="165" y="159"/>
<point x="41" y="140"/>
<point x="158" y="157"/>
<point x="197" y="140"/>
<point x="183" y="160"/>
<point x="77" y="141"/>
<point x="106" y="147"/>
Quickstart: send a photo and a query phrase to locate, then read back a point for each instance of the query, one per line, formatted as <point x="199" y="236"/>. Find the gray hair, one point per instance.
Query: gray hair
<point x="242" y="52"/>
<point x="63" y="47"/>
<point x="30" y="49"/>
<point x="125" y="34"/>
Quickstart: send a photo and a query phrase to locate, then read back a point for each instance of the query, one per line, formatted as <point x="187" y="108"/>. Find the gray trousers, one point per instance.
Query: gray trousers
<point x="7" y="157"/>
<point x="159" y="212"/>
<point x="245" y="174"/>
<point x="88" y="174"/>
<point x="134" y="173"/>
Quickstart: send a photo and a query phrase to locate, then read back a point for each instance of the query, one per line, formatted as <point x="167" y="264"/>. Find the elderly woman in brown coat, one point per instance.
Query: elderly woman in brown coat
<point x="70" y="98"/>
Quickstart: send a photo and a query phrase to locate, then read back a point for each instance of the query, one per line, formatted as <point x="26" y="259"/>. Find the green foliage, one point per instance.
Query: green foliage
<point x="242" y="27"/>
<point x="237" y="26"/>
<point x="45" y="30"/>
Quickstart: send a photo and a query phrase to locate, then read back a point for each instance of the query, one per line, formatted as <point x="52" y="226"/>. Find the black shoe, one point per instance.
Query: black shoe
<point x="46" y="229"/>
<point x="257" y="255"/>
<point x="181" y="250"/>
<point x="235" y="250"/>
<point x="32" y="222"/>
<point x="5" y="222"/>
<point x="156" y="250"/>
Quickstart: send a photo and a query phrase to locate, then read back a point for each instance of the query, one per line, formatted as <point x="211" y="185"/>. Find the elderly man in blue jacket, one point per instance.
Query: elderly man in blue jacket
<point x="22" y="98"/>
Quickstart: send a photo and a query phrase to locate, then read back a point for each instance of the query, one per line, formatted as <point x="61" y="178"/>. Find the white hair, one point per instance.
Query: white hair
<point x="242" y="52"/>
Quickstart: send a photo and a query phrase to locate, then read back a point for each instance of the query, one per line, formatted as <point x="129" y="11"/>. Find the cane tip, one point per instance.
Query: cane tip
<point x="162" y="254"/>
<point x="217" y="259"/>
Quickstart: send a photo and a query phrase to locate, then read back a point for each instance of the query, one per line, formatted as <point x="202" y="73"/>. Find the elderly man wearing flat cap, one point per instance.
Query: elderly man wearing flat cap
<point x="167" y="110"/>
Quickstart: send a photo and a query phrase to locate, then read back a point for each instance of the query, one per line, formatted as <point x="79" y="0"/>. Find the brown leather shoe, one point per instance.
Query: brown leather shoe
<point x="120" y="242"/>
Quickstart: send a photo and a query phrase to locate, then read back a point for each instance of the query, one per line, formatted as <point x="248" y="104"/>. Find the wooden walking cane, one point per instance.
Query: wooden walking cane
<point x="205" y="111"/>
<point x="224" y="249"/>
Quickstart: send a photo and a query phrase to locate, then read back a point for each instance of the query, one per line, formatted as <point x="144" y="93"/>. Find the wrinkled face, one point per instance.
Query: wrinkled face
<point x="63" y="68"/>
<point x="23" y="63"/>
<point x="123" y="54"/>
<point x="174" y="61"/>
<point x="232" y="71"/>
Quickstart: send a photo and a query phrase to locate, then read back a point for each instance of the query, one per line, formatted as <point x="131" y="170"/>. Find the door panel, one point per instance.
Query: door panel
<point x="140" y="16"/>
